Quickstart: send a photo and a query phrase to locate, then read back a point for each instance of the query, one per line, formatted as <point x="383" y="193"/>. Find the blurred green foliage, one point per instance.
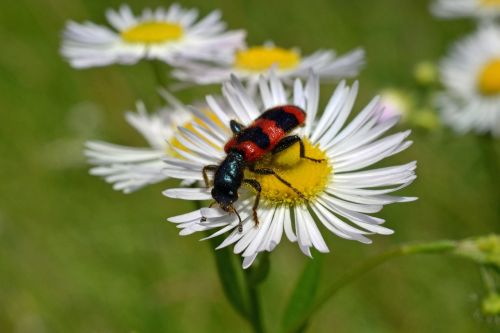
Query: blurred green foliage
<point x="76" y="256"/>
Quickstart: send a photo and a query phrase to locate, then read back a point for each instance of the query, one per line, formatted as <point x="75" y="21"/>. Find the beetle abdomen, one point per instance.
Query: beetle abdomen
<point x="266" y="131"/>
<point x="286" y="117"/>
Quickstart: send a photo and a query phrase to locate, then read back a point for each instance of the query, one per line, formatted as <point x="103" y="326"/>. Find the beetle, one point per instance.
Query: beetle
<point x="267" y="134"/>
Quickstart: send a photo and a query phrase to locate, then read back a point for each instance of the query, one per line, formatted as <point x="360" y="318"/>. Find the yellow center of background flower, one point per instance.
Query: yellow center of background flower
<point x="153" y="32"/>
<point x="175" y="143"/>
<point x="489" y="78"/>
<point x="308" y="177"/>
<point x="261" y="58"/>
<point x="491" y="3"/>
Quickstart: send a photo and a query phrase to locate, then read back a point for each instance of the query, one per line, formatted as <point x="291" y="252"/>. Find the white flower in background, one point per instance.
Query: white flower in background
<point x="131" y="168"/>
<point x="168" y="35"/>
<point x="250" y="63"/>
<point x="338" y="192"/>
<point x="482" y="9"/>
<point x="471" y="76"/>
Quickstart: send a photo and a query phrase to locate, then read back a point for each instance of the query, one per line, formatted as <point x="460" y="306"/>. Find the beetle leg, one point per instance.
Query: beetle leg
<point x="289" y="141"/>
<point x="205" y="170"/>
<point x="240" y="223"/>
<point x="203" y="218"/>
<point x="256" y="186"/>
<point x="266" y="171"/>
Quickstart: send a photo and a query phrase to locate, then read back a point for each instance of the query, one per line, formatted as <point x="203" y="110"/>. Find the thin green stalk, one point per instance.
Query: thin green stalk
<point x="488" y="280"/>
<point x="159" y="73"/>
<point x="240" y="286"/>
<point x="366" y="266"/>
<point x="230" y="278"/>
<point x="229" y="274"/>
<point x="486" y="146"/>
<point x="371" y="263"/>
<point x="255" y="315"/>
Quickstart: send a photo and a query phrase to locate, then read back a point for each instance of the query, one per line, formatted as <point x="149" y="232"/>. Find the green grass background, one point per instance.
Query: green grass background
<point x="75" y="256"/>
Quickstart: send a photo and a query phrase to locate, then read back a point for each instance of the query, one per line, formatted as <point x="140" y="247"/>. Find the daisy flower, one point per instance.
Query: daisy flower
<point x="336" y="191"/>
<point x="131" y="168"/>
<point x="168" y="35"/>
<point x="250" y="63"/>
<point x="471" y="76"/>
<point x="482" y="9"/>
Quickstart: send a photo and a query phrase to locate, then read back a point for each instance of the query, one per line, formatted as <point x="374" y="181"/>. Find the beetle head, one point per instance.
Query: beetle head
<point x="225" y="197"/>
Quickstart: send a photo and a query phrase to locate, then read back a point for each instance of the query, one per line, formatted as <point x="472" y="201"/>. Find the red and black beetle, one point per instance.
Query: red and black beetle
<point x="267" y="134"/>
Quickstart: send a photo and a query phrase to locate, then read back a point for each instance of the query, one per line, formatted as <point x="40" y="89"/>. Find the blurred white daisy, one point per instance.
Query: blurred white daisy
<point x="249" y="64"/>
<point x="131" y="168"/>
<point x="482" y="9"/>
<point x="337" y="193"/>
<point x="168" y="35"/>
<point x="471" y="76"/>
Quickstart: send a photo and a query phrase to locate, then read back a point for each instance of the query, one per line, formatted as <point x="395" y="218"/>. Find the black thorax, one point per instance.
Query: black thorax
<point x="229" y="174"/>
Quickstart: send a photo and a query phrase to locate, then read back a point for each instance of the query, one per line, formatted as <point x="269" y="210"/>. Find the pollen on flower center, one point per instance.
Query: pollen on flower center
<point x="490" y="2"/>
<point x="260" y="58"/>
<point x="152" y="32"/>
<point x="489" y="78"/>
<point x="308" y="177"/>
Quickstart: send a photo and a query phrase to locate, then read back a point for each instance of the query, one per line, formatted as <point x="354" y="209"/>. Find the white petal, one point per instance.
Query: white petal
<point x="191" y="216"/>
<point x="188" y="193"/>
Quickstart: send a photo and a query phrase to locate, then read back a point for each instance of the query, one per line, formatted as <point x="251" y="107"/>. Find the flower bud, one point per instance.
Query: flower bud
<point x="490" y="305"/>
<point x="483" y="250"/>
<point x="425" y="73"/>
<point x="425" y="118"/>
<point x="395" y="103"/>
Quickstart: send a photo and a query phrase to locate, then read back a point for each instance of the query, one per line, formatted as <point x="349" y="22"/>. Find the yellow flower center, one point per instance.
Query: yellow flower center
<point x="152" y="32"/>
<point x="261" y="58"/>
<point x="308" y="177"/>
<point x="489" y="3"/>
<point x="489" y="78"/>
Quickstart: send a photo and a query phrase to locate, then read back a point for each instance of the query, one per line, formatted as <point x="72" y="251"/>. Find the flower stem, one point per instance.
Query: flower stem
<point x="240" y="286"/>
<point x="230" y="278"/>
<point x="488" y="280"/>
<point x="255" y="316"/>
<point x="371" y="263"/>
<point x="486" y="146"/>
<point x="254" y="276"/>
<point x="366" y="266"/>
<point x="159" y="73"/>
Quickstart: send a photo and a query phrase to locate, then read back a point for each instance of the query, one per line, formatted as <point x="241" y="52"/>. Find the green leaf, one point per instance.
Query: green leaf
<point x="303" y="295"/>
<point x="231" y="278"/>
